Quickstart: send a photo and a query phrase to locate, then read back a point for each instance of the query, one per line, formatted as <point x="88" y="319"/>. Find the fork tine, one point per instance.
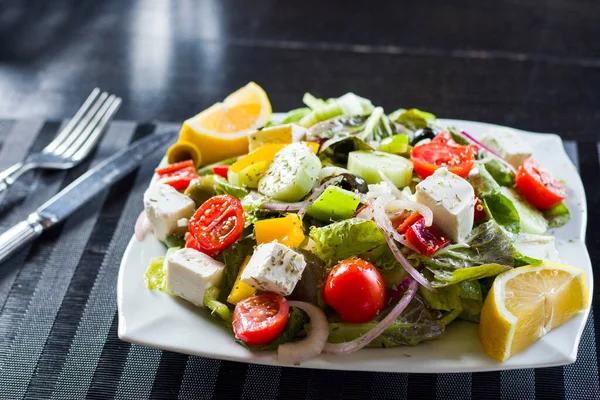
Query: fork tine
<point x="64" y="133"/>
<point x="97" y="133"/>
<point x="81" y="126"/>
<point x="92" y="132"/>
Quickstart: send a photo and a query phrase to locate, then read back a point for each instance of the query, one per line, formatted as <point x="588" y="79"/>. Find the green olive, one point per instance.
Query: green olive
<point x="201" y="189"/>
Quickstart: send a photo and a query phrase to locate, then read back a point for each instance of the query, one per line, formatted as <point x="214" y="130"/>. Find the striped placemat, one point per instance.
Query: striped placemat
<point x="58" y="310"/>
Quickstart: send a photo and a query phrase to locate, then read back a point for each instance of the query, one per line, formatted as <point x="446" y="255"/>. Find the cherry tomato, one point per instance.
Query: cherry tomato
<point x="192" y="243"/>
<point x="426" y="239"/>
<point x="355" y="289"/>
<point x="539" y="187"/>
<point x="178" y="175"/>
<point x="480" y="213"/>
<point x="217" y="223"/>
<point x="259" y="319"/>
<point x="221" y="170"/>
<point x="429" y="157"/>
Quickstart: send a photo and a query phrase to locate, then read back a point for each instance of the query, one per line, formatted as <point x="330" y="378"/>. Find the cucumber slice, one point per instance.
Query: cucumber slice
<point x="368" y="163"/>
<point x="334" y="204"/>
<point x="532" y="219"/>
<point x="292" y="174"/>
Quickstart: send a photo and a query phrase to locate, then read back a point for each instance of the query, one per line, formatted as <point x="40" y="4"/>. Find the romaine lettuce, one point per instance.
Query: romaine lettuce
<point x="344" y="239"/>
<point x="503" y="211"/>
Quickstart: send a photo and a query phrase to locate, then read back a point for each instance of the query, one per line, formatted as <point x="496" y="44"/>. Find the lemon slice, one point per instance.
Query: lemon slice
<point x="526" y="303"/>
<point x="221" y="131"/>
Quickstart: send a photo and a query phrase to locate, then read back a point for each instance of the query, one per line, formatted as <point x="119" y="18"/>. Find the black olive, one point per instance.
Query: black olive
<point x="423" y="133"/>
<point x="352" y="182"/>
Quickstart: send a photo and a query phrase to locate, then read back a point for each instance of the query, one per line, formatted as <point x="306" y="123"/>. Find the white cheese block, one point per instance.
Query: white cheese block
<point x="274" y="267"/>
<point x="189" y="273"/>
<point x="537" y="246"/>
<point x="509" y="145"/>
<point x="164" y="207"/>
<point x="452" y="201"/>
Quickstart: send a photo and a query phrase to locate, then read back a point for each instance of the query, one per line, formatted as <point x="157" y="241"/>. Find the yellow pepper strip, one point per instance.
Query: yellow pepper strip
<point x="184" y="150"/>
<point x="286" y="230"/>
<point x="314" y="146"/>
<point x="264" y="154"/>
<point x="241" y="290"/>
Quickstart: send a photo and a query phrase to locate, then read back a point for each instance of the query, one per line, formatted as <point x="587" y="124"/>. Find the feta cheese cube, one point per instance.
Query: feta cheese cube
<point x="537" y="246"/>
<point x="452" y="201"/>
<point x="509" y="145"/>
<point x="189" y="273"/>
<point x="274" y="267"/>
<point x="164" y="207"/>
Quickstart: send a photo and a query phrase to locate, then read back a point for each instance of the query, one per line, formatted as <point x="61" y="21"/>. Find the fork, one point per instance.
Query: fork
<point x="74" y="142"/>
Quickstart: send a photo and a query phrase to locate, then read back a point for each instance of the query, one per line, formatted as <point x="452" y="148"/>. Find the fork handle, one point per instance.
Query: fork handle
<point x="19" y="235"/>
<point x="11" y="174"/>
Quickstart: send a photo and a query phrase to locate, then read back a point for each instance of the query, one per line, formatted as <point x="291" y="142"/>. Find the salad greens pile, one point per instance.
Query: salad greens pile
<point x="363" y="155"/>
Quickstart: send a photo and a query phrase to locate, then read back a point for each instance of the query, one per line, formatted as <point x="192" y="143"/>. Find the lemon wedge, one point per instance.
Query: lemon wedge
<point x="222" y="130"/>
<point x="526" y="303"/>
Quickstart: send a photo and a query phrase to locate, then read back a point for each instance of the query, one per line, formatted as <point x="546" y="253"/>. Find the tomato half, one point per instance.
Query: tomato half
<point x="429" y="157"/>
<point x="259" y="319"/>
<point x="192" y="243"/>
<point x="355" y="289"/>
<point x="178" y="175"/>
<point x="539" y="187"/>
<point x="426" y="239"/>
<point x="217" y="223"/>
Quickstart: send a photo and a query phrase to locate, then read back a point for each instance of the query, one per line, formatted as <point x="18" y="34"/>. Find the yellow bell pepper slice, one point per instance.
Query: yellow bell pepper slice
<point x="286" y="230"/>
<point x="241" y="290"/>
<point x="264" y="154"/>
<point x="314" y="146"/>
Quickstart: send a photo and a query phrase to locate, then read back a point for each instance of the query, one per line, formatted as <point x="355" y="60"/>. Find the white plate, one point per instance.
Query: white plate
<point x="152" y="318"/>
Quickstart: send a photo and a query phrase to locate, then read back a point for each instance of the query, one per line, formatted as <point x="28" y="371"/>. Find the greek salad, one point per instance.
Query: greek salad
<point x="343" y="227"/>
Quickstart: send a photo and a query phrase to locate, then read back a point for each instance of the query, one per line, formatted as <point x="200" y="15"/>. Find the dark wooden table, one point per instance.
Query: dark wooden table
<point x="527" y="64"/>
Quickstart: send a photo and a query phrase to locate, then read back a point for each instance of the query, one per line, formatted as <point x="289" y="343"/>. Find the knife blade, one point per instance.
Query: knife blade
<point x="80" y="192"/>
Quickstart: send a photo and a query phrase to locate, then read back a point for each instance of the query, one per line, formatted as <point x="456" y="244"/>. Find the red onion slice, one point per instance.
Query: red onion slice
<point x="362" y="341"/>
<point x="142" y="226"/>
<point x="395" y="191"/>
<point x="313" y="345"/>
<point x="282" y="207"/>
<point x="492" y="152"/>
<point x="411" y="205"/>
<point x="316" y="193"/>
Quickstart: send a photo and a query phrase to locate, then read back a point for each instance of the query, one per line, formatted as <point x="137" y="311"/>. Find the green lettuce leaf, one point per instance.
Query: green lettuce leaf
<point x="500" y="172"/>
<point x="444" y="277"/>
<point x="294" y="115"/>
<point x="414" y="119"/>
<point x="557" y="216"/>
<point x="344" y="239"/>
<point x="503" y="211"/>
<point x="222" y="186"/>
<point x="465" y="296"/>
<point x="522" y="260"/>
<point x="486" y="244"/>
<point x="338" y="148"/>
<point x="252" y="212"/>
<point x="483" y="183"/>
<point x="174" y="241"/>
<point x="295" y="324"/>
<point x="416" y="324"/>
<point x="233" y="258"/>
<point x="156" y="274"/>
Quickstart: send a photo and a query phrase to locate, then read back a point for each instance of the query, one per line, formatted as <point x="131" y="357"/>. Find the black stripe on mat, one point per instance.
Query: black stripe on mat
<point x="357" y="385"/>
<point x="169" y="375"/>
<point x="73" y="304"/>
<point x="325" y="384"/>
<point x="486" y="385"/>
<point x="292" y="384"/>
<point x="549" y="383"/>
<point x="230" y="381"/>
<point x="421" y="386"/>
<point x="110" y="365"/>
<point x="590" y="171"/>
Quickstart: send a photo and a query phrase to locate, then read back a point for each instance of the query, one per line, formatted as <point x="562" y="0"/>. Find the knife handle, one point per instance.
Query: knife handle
<point x="19" y="235"/>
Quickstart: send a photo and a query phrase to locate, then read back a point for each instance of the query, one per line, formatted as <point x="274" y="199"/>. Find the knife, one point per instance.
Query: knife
<point x="80" y="192"/>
